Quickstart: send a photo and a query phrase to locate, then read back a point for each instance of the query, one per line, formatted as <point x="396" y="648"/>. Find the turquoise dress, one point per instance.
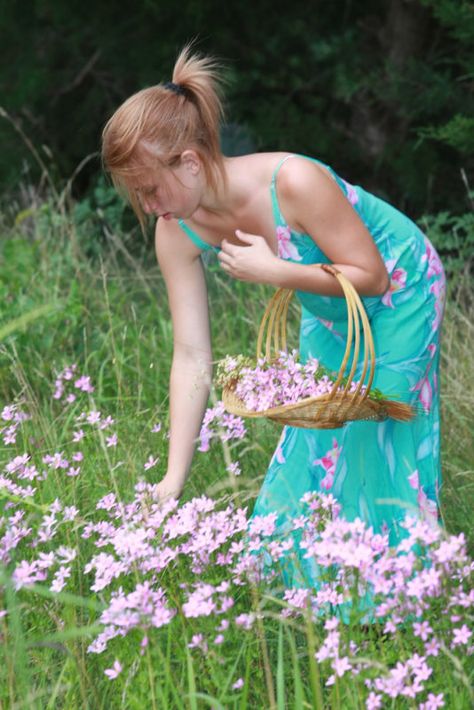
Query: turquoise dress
<point x="378" y="471"/>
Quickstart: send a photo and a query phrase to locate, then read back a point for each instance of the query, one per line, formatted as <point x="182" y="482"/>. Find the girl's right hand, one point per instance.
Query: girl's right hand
<point x="169" y="488"/>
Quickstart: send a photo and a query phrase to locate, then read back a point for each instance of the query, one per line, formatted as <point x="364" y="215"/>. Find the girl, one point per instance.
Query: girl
<point x="270" y="217"/>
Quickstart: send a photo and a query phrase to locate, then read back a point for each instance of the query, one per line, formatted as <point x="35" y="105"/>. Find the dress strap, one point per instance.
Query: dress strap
<point x="196" y="238"/>
<point x="275" y="206"/>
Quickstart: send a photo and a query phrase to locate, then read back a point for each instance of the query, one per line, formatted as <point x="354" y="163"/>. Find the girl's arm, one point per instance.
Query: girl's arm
<point x="191" y="369"/>
<point x="312" y="203"/>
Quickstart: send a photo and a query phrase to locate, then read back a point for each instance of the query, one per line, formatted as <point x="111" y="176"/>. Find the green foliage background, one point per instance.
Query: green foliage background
<point x="383" y="91"/>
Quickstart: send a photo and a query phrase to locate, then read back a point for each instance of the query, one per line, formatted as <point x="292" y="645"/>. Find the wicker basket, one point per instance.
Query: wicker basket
<point x="332" y="410"/>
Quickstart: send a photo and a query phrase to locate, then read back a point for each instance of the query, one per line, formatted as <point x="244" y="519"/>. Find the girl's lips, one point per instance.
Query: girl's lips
<point x="167" y="216"/>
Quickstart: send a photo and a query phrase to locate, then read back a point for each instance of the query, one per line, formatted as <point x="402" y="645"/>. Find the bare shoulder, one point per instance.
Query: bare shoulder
<point x="259" y="166"/>
<point x="300" y="174"/>
<point x="307" y="188"/>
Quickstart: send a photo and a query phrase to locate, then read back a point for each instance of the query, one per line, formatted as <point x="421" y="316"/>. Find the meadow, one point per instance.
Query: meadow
<point x="110" y="600"/>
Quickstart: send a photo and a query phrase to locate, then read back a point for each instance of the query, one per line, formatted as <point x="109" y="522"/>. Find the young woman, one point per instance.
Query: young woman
<point x="270" y="217"/>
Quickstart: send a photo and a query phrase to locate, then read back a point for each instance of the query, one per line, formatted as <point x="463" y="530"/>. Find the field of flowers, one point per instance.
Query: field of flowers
<point x="110" y="599"/>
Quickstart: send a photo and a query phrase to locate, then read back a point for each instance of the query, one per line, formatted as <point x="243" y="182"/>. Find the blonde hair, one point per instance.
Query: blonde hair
<point x="166" y="120"/>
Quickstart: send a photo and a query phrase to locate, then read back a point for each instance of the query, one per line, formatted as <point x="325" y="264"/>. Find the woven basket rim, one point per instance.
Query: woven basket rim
<point x="319" y="399"/>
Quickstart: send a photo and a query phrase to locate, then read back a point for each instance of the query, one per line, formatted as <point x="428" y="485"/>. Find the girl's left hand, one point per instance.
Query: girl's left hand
<point x="255" y="262"/>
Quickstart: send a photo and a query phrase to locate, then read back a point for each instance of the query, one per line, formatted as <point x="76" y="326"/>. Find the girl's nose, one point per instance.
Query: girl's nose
<point x="147" y="208"/>
<point x="149" y="204"/>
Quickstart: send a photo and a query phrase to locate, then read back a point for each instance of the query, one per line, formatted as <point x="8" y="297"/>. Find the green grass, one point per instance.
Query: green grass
<point x="108" y="313"/>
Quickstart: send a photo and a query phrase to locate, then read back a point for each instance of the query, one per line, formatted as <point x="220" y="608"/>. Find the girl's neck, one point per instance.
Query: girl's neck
<point x="232" y="195"/>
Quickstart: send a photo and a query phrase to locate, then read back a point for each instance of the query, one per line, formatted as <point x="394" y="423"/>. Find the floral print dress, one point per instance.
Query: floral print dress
<point x="378" y="471"/>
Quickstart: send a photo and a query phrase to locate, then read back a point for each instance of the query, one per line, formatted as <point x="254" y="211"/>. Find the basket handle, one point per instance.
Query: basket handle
<point x="274" y="323"/>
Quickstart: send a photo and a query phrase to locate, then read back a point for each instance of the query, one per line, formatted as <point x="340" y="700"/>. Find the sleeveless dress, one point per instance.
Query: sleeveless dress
<point x="378" y="471"/>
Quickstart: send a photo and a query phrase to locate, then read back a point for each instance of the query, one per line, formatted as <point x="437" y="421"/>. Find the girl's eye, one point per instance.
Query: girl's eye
<point x="146" y="191"/>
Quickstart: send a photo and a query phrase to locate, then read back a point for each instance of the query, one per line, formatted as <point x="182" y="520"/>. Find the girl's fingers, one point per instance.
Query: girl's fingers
<point x="227" y="247"/>
<point x="224" y="258"/>
<point x="245" y="237"/>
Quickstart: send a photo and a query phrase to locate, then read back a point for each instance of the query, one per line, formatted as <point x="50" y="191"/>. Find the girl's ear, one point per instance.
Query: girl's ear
<point x="191" y="161"/>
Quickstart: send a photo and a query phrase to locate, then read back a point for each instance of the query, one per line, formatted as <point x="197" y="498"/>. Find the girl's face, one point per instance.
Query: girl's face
<point x="171" y="193"/>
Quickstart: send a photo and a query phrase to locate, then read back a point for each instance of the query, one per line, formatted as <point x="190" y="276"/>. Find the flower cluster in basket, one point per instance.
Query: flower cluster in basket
<point x="262" y="384"/>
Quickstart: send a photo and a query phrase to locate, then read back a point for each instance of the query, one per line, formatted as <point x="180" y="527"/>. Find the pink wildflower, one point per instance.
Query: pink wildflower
<point x="111" y="440"/>
<point x="433" y="702"/>
<point x="113" y="672"/>
<point x="374" y="701"/>
<point x="461" y="636"/>
<point x="106" y="422"/>
<point x="234" y="469"/>
<point x="151" y="462"/>
<point x="341" y="666"/>
<point x="198" y="641"/>
<point x="423" y="630"/>
<point x="84" y="384"/>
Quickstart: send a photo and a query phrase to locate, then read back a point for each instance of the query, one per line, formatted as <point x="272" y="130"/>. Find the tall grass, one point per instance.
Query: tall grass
<point x="98" y="299"/>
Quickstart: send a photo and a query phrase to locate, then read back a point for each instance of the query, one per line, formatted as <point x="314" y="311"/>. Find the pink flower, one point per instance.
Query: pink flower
<point x="238" y="684"/>
<point x="156" y="428"/>
<point x="437" y="288"/>
<point x="398" y="278"/>
<point x="434" y="262"/>
<point x="374" y="701"/>
<point x="84" y="384"/>
<point x="59" y="581"/>
<point x="245" y="621"/>
<point x="433" y="702"/>
<point x="428" y="507"/>
<point x="352" y="195"/>
<point x="462" y="635"/>
<point x="8" y="413"/>
<point x="413" y="480"/>
<point x="113" y="672"/>
<point x="432" y="647"/>
<point x="143" y="645"/>
<point x="331" y="623"/>
<point x="279" y="455"/>
<point x="340" y="666"/>
<point x="198" y="641"/>
<point x="106" y="423"/>
<point x="328" y="323"/>
<point x="151" y="462"/>
<point x="286" y="250"/>
<point x="234" y="469"/>
<point x="328" y="462"/>
<point x="111" y="440"/>
<point x="425" y="395"/>
<point x="423" y="630"/>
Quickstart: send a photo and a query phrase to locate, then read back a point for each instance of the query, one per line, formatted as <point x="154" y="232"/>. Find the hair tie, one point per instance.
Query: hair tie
<point x="176" y="88"/>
